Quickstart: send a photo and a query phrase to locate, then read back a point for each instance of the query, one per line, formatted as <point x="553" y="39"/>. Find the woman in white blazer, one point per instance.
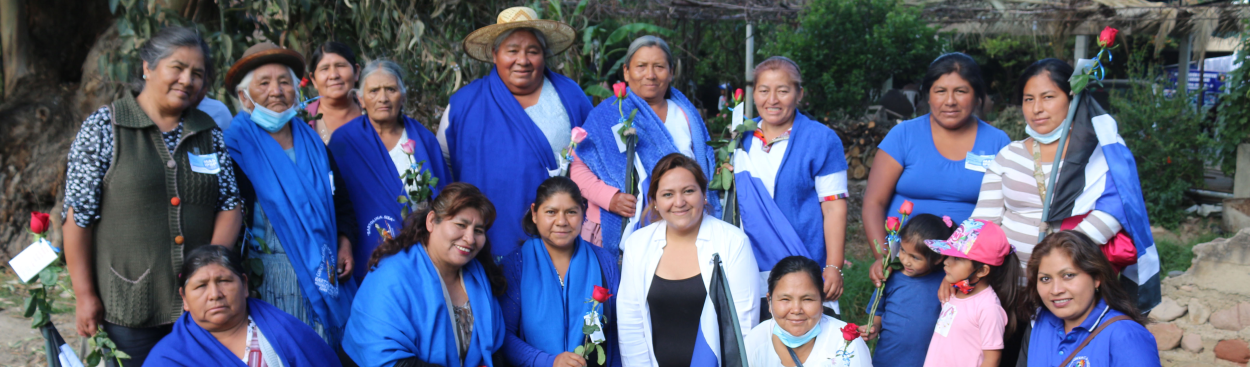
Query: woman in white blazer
<point x="666" y="318"/>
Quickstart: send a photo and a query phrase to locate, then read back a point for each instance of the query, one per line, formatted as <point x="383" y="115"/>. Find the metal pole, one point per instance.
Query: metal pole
<point x="1182" y="65"/>
<point x="750" y="100"/>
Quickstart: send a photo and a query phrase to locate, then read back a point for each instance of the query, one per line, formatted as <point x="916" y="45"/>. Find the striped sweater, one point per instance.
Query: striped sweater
<point x="1009" y="198"/>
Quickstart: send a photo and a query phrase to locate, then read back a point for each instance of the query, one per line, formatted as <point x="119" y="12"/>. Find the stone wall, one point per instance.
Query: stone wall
<point x="1204" y="319"/>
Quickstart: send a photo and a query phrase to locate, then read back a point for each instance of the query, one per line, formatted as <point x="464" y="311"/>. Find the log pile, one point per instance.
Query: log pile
<point x="859" y="142"/>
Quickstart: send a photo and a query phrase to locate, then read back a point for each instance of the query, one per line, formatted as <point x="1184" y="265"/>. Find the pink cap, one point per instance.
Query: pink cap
<point x="976" y="240"/>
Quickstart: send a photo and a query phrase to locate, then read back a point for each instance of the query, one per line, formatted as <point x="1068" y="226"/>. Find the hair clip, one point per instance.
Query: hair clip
<point x="947" y="219"/>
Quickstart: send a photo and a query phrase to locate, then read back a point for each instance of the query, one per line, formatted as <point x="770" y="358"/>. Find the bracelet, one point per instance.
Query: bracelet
<point x="835" y="267"/>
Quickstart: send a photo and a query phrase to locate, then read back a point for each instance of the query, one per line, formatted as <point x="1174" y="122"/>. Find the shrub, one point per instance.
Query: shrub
<point x="1234" y="115"/>
<point x="1165" y="135"/>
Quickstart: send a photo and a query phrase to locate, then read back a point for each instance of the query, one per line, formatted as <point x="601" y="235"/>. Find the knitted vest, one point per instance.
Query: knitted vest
<point x="140" y="239"/>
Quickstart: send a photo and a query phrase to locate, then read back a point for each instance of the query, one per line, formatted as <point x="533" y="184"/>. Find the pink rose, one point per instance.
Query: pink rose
<point x="409" y="146"/>
<point x="892" y="224"/>
<point x="618" y="89"/>
<point x="579" y="134"/>
<point x="905" y="209"/>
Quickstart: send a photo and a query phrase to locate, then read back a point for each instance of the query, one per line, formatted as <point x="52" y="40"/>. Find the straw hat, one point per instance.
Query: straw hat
<point x="261" y="54"/>
<point x="478" y="44"/>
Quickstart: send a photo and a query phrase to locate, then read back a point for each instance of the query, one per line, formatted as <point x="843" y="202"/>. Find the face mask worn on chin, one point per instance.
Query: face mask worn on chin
<point x="795" y="341"/>
<point x="268" y="119"/>
<point x="1047" y="138"/>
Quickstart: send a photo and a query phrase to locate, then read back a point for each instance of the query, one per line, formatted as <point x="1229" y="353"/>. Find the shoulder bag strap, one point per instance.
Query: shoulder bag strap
<point x="1091" y="337"/>
<point x="1043" y="228"/>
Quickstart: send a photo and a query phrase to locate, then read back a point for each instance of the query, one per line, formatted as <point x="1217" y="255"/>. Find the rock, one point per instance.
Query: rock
<point x="1188" y="288"/>
<point x="1244" y="334"/>
<point x="1198" y="312"/>
<point x="1175" y="273"/>
<point x="1167" y="336"/>
<point x="1226" y="319"/>
<point x="1236" y="214"/>
<point x="1192" y="343"/>
<point x="1233" y="350"/>
<point x="1223" y="264"/>
<point x="1169" y="310"/>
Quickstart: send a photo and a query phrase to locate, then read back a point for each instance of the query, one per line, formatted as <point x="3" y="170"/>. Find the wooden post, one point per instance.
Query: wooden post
<point x="1182" y="65"/>
<point x="15" y="43"/>
<point x="750" y="77"/>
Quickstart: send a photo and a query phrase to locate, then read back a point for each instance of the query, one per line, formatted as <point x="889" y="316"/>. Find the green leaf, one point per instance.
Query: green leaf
<point x="117" y="353"/>
<point x="93" y="358"/>
<point x="29" y="307"/>
<point x="579" y="350"/>
<point x="47" y="276"/>
<point x="603" y="357"/>
<point x="596" y="90"/>
<point x="40" y="318"/>
<point x="589" y="329"/>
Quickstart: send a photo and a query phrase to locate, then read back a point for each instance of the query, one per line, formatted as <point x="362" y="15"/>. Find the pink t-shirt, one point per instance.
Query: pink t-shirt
<point x="965" y="328"/>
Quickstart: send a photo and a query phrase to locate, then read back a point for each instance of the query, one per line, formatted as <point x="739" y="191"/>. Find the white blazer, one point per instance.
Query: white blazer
<point x="643" y="249"/>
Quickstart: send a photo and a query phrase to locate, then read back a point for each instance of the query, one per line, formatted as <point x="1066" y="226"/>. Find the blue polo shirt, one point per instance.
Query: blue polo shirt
<point x="1125" y="343"/>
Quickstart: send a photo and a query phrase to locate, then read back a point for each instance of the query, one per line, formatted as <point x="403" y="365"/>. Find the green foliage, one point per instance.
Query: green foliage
<point x="1234" y="114"/>
<point x="103" y="348"/>
<point x="848" y="47"/>
<point x="1002" y="58"/>
<point x="1165" y="135"/>
<point x="1179" y="256"/>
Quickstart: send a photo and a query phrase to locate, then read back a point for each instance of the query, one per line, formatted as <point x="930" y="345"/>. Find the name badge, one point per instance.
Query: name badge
<point x="620" y="144"/>
<point x="205" y="163"/>
<point x="977" y="162"/>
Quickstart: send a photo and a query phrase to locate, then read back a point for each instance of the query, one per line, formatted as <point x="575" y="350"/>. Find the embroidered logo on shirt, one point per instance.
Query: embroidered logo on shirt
<point x="946" y="319"/>
<point x="1079" y="362"/>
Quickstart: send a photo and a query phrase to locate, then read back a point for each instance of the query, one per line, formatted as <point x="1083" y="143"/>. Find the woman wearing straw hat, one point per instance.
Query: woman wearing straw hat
<point x="504" y="132"/>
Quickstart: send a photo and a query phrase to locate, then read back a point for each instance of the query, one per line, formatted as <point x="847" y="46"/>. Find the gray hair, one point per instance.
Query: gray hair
<point x="385" y="66"/>
<point x="170" y="39"/>
<point x="542" y="40"/>
<point x="247" y="81"/>
<point x="648" y="41"/>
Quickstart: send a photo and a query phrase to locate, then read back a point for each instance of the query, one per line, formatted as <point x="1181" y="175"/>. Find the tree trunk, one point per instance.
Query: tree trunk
<point x="15" y="42"/>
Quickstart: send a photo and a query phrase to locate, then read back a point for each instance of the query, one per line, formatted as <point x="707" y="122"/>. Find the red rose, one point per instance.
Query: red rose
<point x="601" y="294"/>
<point x="618" y="89"/>
<point x="905" y="209"/>
<point x="303" y="82"/>
<point x="39" y="222"/>
<point x="850" y="331"/>
<point x="738" y="96"/>
<point x="892" y="224"/>
<point x="1107" y="38"/>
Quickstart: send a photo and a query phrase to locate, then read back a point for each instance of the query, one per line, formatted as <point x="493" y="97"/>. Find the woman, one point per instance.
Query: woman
<point x="949" y="146"/>
<point x="806" y="337"/>
<point x="552" y="277"/>
<point x="299" y="227"/>
<point x="521" y="110"/>
<point x="791" y="177"/>
<point x="332" y="70"/>
<point x="666" y="313"/>
<point x="374" y="150"/>
<point x="666" y="123"/>
<point x="430" y="296"/>
<point x="1074" y="289"/>
<point x="1010" y="194"/>
<point x="223" y="327"/>
<point x="146" y="183"/>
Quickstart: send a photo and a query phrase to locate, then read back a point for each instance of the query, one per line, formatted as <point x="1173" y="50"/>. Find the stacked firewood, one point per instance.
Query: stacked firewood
<point x="860" y="137"/>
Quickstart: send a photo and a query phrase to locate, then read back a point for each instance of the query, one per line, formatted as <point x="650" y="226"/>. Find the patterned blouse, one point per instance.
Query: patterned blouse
<point x="91" y="154"/>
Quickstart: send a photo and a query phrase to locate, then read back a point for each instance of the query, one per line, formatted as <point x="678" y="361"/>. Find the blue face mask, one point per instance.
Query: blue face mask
<point x="795" y="341"/>
<point x="269" y="120"/>
<point x="1047" y="138"/>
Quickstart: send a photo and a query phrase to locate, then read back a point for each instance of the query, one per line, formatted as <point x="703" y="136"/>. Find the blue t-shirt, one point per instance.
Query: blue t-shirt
<point x="937" y="185"/>
<point x="909" y="311"/>
<point x="1124" y="343"/>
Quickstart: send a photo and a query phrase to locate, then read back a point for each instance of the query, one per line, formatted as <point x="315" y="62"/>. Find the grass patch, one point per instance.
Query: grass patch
<point x="1179" y="256"/>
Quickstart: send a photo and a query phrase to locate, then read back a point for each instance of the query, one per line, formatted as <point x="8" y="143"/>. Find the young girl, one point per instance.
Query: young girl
<point x="908" y="310"/>
<point x="986" y="274"/>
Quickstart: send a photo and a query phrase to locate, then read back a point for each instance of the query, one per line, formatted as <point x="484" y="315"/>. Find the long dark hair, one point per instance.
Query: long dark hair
<point x="1005" y="279"/>
<point x="669" y="163"/>
<point x="797" y="264"/>
<point x="1089" y="258"/>
<point x="956" y="62"/>
<point x="926" y="227"/>
<point x="454" y="198"/>
<point x="1058" y="70"/>
<point x="549" y="188"/>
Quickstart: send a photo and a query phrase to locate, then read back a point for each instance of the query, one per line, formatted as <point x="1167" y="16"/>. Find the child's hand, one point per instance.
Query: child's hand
<point x="869" y="332"/>
<point x="945" y="291"/>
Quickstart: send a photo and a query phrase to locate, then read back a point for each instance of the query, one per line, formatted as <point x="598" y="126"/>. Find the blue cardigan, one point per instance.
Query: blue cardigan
<point x="521" y="354"/>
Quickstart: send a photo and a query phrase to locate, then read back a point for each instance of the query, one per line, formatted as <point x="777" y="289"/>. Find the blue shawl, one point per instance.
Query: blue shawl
<point x="546" y="304"/>
<point x="791" y="222"/>
<point x="298" y="199"/>
<point x="190" y="345"/>
<point x="495" y="146"/>
<point x="607" y="160"/>
<point x="401" y="313"/>
<point x="373" y="180"/>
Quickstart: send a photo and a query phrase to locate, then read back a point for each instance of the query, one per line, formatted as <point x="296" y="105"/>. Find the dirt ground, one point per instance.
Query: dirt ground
<point x="20" y="345"/>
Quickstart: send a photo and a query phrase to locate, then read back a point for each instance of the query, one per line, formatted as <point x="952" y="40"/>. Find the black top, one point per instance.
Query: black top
<point x="675" y="307"/>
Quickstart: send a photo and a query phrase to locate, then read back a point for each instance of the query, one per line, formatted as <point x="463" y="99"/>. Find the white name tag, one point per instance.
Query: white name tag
<point x="33" y="259"/>
<point x="620" y="144"/>
<point x="977" y="162"/>
<point x="206" y="163"/>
